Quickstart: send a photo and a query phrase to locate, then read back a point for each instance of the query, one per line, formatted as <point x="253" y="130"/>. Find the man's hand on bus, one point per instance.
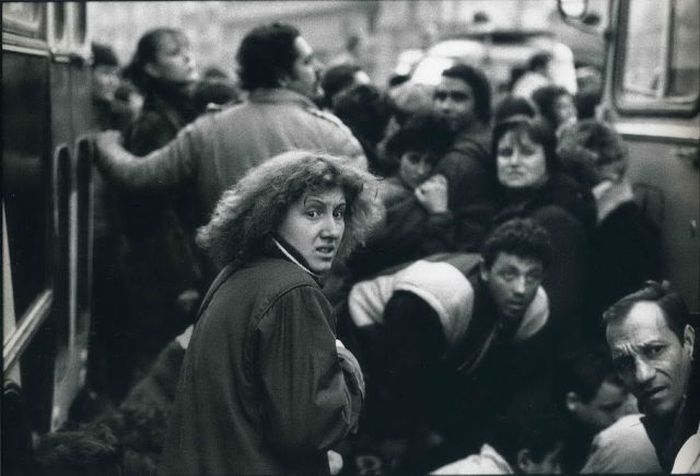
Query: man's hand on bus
<point x="105" y="142"/>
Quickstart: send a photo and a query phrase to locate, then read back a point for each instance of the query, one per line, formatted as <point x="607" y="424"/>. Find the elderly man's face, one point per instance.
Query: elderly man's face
<point x="652" y="361"/>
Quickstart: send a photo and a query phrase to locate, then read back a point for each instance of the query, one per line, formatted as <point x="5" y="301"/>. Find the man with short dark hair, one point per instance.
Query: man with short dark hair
<point x="652" y="341"/>
<point x="454" y="315"/>
<point x="463" y="97"/>
<point x="278" y="69"/>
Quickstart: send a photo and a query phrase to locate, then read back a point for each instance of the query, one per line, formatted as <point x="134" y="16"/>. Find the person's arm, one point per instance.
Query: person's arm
<point x="162" y="170"/>
<point x="312" y="388"/>
<point x="471" y="199"/>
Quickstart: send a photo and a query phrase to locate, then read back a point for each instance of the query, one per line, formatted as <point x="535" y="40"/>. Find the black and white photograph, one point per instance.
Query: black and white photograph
<point x="350" y="237"/>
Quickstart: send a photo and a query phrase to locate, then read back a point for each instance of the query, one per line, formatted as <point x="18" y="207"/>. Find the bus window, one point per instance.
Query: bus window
<point x="660" y="61"/>
<point x="79" y="24"/>
<point x="23" y="18"/>
<point x="645" y="49"/>
<point x="58" y="27"/>
<point x="684" y="72"/>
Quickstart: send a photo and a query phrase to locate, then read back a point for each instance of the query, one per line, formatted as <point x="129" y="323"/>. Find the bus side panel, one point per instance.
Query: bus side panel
<point x="26" y="195"/>
<point x="83" y="122"/>
<point x="26" y="168"/>
<point x="669" y="189"/>
<point x="66" y="371"/>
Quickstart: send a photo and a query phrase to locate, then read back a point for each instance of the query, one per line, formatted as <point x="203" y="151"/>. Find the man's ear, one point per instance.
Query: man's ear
<point x="572" y="401"/>
<point x="151" y="70"/>
<point x="689" y="339"/>
<point x="483" y="270"/>
<point x="524" y="460"/>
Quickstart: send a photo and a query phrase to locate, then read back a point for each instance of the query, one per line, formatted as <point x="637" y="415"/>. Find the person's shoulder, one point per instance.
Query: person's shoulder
<point x="325" y="117"/>
<point x="626" y="427"/>
<point x="280" y="273"/>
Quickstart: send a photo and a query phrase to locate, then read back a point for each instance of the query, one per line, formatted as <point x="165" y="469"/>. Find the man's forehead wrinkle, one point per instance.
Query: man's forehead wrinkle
<point x="633" y="341"/>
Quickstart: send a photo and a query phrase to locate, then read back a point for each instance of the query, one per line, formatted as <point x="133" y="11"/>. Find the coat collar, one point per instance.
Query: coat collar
<point x="287" y="251"/>
<point x="280" y="95"/>
<point x="610" y="195"/>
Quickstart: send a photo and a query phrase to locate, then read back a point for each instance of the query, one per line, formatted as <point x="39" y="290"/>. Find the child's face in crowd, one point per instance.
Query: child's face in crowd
<point x="414" y="168"/>
<point x="521" y="162"/>
<point x="314" y="225"/>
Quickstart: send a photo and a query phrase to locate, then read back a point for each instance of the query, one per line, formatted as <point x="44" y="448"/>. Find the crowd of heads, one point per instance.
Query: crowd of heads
<point x="405" y="131"/>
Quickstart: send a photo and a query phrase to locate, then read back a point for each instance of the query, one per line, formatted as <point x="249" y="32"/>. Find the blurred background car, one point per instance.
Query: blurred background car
<point x="501" y="54"/>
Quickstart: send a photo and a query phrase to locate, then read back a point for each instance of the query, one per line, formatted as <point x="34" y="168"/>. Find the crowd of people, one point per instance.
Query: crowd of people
<point x="304" y="272"/>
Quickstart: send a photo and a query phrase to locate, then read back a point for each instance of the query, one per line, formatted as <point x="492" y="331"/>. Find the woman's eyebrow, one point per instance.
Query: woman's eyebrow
<point x="315" y="201"/>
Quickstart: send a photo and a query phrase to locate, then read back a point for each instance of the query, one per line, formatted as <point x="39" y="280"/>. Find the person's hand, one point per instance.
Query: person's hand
<point x="188" y="301"/>
<point x="432" y="194"/>
<point x="105" y="142"/>
<point x="106" y="139"/>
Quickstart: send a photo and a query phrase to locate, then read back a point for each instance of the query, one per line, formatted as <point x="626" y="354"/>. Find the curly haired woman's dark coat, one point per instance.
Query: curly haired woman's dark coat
<point x="262" y="389"/>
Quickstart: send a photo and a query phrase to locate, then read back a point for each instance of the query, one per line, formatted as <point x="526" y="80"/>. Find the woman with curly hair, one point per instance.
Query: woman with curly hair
<point x="265" y="387"/>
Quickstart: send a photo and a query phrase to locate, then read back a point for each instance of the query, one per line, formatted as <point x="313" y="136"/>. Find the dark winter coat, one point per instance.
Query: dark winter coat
<point x="263" y="389"/>
<point x="567" y="211"/>
<point x="159" y="255"/>
<point x="626" y="252"/>
<point x="409" y="232"/>
<point x="471" y="192"/>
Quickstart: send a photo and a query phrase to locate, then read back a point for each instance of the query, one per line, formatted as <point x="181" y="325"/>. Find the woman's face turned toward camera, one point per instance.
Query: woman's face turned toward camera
<point x="314" y="225"/>
<point x="174" y="61"/>
<point x="521" y="161"/>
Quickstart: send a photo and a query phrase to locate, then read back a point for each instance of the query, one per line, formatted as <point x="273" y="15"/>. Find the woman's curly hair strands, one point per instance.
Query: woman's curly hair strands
<point x="255" y="206"/>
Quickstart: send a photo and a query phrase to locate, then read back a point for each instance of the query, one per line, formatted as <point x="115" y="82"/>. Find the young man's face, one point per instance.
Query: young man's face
<point x="304" y="77"/>
<point x="610" y="403"/>
<point x="454" y="100"/>
<point x="650" y="358"/>
<point x="512" y="282"/>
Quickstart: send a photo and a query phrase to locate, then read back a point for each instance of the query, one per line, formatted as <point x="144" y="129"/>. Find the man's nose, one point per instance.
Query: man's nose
<point x="643" y="372"/>
<point x="520" y="286"/>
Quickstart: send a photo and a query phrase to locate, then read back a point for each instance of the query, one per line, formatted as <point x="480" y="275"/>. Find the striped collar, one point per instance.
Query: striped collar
<point x="290" y="255"/>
